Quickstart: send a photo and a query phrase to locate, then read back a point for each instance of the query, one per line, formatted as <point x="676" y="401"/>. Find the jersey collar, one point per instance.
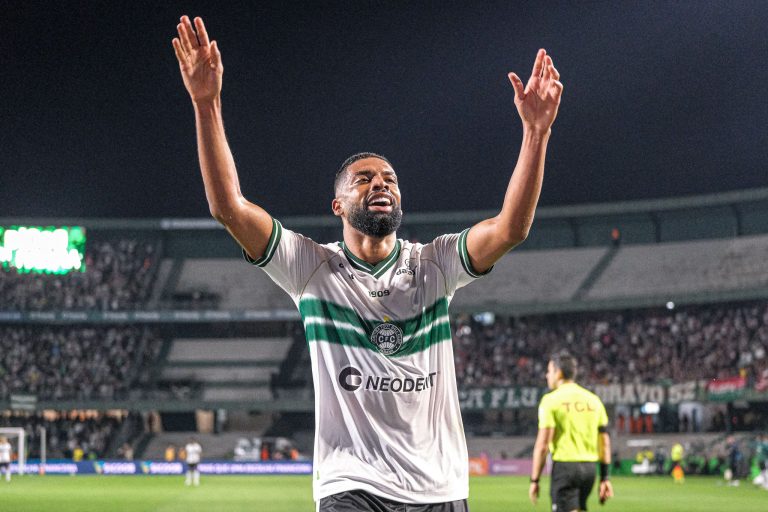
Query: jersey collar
<point x="377" y="270"/>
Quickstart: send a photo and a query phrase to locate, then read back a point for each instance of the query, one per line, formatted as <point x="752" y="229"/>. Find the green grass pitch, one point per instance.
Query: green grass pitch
<point x="294" y="493"/>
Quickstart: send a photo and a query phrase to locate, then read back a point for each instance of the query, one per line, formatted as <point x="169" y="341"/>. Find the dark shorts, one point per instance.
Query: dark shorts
<point x="192" y="467"/>
<point x="571" y="484"/>
<point x="5" y="465"/>
<point x="361" y="501"/>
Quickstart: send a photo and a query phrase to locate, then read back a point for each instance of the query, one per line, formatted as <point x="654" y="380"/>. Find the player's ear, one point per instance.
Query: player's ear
<point x="336" y="207"/>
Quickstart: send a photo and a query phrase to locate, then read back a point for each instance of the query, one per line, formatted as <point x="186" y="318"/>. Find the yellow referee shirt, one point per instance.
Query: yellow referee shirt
<point x="576" y="415"/>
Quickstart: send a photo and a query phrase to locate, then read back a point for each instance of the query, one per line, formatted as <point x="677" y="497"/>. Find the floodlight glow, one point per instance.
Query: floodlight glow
<point x="42" y="250"/>
<point x="650" y="408"/>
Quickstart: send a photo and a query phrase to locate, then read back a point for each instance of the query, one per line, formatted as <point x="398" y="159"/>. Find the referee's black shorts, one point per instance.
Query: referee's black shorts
<point x="361" y="501"/>
<point x="571" y="484"/>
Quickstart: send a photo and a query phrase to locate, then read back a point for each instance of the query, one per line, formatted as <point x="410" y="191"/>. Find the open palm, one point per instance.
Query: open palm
<point x="199" y="60"/>
<point x="538" y="101"/>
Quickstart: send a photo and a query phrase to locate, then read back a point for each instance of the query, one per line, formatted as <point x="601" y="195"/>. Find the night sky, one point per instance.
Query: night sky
<point x="660" y="99"/>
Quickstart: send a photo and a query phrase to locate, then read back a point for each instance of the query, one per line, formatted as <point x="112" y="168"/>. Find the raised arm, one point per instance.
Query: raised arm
<point x="202" y="71"/>
<point x="537" y="103"/>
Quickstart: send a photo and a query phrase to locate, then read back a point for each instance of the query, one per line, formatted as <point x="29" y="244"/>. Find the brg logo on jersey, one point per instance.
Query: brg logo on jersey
<point x="388" y="338"/>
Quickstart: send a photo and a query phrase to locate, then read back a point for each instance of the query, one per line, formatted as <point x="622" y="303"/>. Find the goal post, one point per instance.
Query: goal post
<point x="19" y="436"/>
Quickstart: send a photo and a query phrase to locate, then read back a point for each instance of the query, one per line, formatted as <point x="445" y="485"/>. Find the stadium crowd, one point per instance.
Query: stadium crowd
<point x="642" y="346"/>
<point x="118" y="276"/>
<point x="91" y="362"/>
<point x="77" y="435"/>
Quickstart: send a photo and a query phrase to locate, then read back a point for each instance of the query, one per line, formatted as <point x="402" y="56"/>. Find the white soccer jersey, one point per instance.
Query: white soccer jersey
<point x="5" y="452"/>
<point x="193" y="450"/>
<point x="386" y="405"/>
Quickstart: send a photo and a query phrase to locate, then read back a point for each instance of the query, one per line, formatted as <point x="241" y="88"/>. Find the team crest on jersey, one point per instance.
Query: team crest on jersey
<point x="388" y="338"/>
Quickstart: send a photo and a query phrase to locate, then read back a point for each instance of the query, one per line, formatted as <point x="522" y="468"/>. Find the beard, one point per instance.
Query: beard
<point x="375" y="224"/>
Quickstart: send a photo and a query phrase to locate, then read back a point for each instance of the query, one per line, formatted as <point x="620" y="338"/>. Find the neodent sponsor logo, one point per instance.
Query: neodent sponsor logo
<point x="351" y="379"/>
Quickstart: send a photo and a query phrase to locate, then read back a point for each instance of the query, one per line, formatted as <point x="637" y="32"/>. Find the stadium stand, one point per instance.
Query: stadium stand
<point x="119" y="274"/>
<point x="532" y="276"/>
<point x="226" y="370"/>
<point x="237" y="284"/>
<point x="697" y="342"/>
<point x="526" y="281"/>
<point x="86" y="362"/>
<point x="685" y="268"/>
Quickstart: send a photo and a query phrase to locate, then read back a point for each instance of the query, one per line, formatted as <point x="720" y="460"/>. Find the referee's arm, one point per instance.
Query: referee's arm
<point x="604" y="452"/>
<point x="540" y="451"/>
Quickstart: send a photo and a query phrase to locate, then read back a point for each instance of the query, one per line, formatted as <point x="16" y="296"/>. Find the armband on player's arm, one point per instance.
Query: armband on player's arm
<point x="605" y="467"/>
<point x="605" y="471"/>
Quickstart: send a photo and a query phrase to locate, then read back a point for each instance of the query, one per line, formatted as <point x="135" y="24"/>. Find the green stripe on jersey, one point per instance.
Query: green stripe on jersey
<point x="332" y="323"/>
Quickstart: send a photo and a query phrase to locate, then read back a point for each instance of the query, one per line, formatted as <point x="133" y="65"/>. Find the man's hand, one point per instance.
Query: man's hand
<point x="538" y="101"/>
<point x="533" y="492"/>
<point x="199" y="60"/>
<point x="606" y="491"/>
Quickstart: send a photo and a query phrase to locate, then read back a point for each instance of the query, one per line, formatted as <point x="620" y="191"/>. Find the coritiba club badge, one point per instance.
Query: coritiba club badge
<point x="388" y="338"/>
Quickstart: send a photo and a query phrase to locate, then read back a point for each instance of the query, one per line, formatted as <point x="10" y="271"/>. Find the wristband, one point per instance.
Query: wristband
<point x="604" y="471"/>
<point x="534" y="480"/>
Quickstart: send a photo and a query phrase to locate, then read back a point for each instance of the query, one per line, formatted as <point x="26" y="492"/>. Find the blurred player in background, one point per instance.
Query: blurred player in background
<point x="193" y="451"/>
<point x="761" y="458"/>
<point x="676" y="456"/>
<point x="375" y="308"/>
<point x="735" y="461"/>
<point x="573" y="425"/>
<point x="5" y="458"/>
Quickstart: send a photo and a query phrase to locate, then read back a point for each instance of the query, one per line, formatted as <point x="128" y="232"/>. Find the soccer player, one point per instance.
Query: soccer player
<point x="572" y="424"/>
<point x="374" y="308"/>
<point x="761" y="454"/>
<point x="193" y="452"/>
<point x="5" y="458"/>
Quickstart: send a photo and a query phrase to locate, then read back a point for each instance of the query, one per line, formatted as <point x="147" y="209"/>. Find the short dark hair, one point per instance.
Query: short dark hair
<point x="566" y="363"/>
<point x="352" y="159"/>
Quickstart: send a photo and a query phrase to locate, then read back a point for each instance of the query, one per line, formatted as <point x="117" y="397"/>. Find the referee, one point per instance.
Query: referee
<point x="573" y="425"/>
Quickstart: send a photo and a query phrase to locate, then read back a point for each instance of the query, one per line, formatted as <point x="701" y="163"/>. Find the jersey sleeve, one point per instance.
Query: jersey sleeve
<point x="546" y="414"/>
<point x="602" y="420"/>
<point x="289" y="259"/>
<point x="453" y="259"/>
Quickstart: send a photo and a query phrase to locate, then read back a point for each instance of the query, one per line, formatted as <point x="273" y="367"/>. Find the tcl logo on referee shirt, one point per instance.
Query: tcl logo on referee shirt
<point x="351" y="379"/>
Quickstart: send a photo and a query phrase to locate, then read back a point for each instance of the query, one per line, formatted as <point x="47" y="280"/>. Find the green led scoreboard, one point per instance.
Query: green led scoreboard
<point x="42" y="250"/>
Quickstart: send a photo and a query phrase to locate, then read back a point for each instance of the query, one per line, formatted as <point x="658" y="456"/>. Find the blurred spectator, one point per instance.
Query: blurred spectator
<point x="126" y="451"/>
<point x="170" y="453"/>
